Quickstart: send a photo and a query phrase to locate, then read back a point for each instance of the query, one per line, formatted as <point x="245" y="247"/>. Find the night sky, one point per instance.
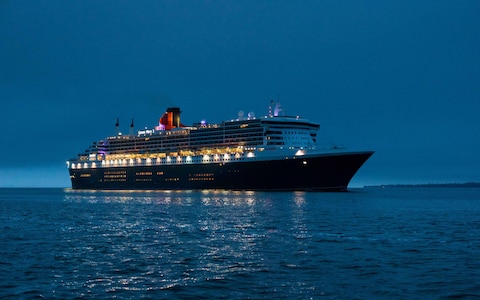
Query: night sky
<point x="398" y="77"/>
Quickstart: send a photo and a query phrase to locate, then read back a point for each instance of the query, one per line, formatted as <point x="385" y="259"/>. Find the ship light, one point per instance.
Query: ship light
<point x="206" y="157"/>
<point x="169" y="159"/>
<point x="216" y="157"/>
<point x="68" y="164"/>
<point x="179" y="159"/>
<point x="189" y="158"/>
<point x="250" y="154"/>
<point x="94" y="165"/>
<point x="130" y="161"/>
<point x="149" y="161"/>
<point x="226" y="156"/>
<point x="300" y="153"/>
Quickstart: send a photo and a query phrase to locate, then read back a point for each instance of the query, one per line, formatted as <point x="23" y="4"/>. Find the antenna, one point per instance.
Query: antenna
<point x="131" y="128"/>
<point x="270" y="108"/>
<point x="117" y="125"/>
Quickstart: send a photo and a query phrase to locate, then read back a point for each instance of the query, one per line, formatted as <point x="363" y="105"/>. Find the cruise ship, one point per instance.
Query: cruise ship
<point x="273" y="152"/>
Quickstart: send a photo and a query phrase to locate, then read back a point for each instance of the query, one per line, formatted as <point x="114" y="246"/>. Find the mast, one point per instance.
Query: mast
<point x="117" y="127"/>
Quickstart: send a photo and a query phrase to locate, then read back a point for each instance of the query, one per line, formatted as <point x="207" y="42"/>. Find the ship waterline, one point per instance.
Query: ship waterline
<point x="269" y="153"/>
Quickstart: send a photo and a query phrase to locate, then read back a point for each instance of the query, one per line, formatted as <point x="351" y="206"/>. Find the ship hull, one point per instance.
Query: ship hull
<point x="321" y="172"/>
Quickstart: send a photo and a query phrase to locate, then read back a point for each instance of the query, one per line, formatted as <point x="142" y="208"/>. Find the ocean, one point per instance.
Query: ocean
<point x="369" y="243"/>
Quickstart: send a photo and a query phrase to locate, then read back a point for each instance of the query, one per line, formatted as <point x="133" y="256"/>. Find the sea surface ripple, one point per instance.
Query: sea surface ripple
<point x="371" y="243"/>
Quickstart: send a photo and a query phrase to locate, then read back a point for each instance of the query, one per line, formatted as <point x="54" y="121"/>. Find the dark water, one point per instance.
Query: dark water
<point x="370" y="243"/>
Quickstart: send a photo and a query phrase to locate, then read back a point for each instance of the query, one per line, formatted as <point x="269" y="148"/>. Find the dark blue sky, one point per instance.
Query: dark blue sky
<point x="399" y="77"/>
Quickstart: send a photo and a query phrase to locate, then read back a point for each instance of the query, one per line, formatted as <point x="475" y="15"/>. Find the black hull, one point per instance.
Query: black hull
<point x="328" y="172"/>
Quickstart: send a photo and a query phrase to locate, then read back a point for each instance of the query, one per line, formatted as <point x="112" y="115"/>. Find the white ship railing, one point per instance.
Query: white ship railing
<point x="185" y="160"/>
<point x="178" y="160"/>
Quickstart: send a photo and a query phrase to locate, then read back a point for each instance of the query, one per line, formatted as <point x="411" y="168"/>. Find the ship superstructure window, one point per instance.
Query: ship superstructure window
<point x="290" y="134"/>
<point x="233" y="133"/>
<point x="246" y="132"/>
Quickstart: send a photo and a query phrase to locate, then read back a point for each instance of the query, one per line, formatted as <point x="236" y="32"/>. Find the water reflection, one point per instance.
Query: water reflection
<point x="206" y="197"/>
<point x="129" y="196"/>
<point x="299" y="198"/>
<point x="181" y="238"/>
<point x="228" y="198"/>
<point x="238" y="245"/>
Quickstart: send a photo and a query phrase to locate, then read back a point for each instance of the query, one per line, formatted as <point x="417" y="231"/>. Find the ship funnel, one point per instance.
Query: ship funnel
<point x="175" y="111"/>
<point x="171" y="118"/>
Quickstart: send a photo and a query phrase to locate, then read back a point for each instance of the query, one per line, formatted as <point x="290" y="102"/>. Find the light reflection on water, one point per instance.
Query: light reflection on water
<point x="381" y="243"/>
<point x="186" y="238"/>
<point x="207" y="197"/>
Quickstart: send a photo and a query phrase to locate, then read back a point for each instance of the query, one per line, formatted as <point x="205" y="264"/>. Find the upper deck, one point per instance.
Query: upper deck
<point x="232" y="136"/>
